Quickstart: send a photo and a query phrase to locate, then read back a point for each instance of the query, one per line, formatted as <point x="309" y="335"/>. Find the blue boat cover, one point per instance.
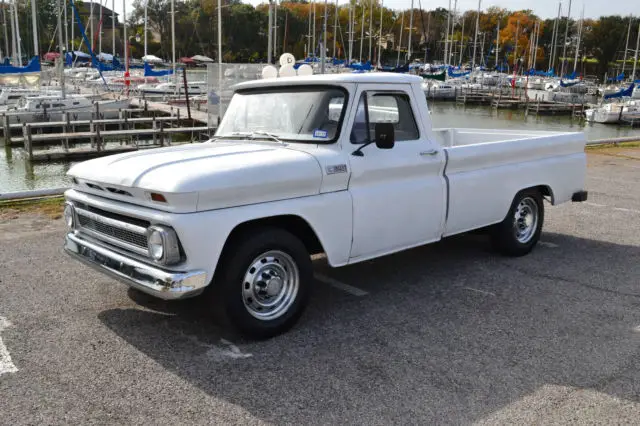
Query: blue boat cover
<point x="32" y="67"/>
<point x="622" y="93"/>
<point x="149" y="72"/>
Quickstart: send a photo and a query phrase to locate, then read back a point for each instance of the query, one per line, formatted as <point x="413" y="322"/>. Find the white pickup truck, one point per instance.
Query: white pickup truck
<point x="347" y="165"/>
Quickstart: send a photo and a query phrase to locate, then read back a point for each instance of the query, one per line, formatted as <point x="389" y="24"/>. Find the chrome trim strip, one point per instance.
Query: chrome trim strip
<point x="112" y="222"/>
<point x="146" y="278"/>
<point x="116" y="242"/>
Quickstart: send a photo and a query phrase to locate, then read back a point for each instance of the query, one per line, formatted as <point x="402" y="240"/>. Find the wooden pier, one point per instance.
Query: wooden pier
<point x="160" y="137"/>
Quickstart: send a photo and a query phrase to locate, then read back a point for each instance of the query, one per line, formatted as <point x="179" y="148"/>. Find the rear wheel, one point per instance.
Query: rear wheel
<point x="265" y="282"/>
<point x="520" y="230"/>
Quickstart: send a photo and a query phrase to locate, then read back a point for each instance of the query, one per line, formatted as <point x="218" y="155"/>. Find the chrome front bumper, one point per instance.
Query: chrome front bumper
<point x="146" y="278"/>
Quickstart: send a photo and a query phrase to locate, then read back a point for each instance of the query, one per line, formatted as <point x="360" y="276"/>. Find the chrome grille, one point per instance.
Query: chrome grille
<point x="114" y="232"/>
<point x="125" y="232"/>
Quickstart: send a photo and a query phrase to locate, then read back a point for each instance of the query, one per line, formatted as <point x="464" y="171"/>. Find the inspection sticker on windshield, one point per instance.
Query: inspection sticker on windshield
<point x="320" y="134"/>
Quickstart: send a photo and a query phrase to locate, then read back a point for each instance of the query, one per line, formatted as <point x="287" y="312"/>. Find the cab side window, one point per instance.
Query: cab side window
<point x="377" y="107"/>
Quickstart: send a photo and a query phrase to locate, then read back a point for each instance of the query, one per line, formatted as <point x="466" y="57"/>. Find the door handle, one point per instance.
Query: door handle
<point x="429" y="152"/>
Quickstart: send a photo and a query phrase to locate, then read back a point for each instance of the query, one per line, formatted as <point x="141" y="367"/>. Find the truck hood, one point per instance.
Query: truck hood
<point x="207" y="176"/>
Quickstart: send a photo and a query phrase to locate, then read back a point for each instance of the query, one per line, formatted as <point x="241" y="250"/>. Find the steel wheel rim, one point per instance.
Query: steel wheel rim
<point x="270" y="285"/>
<point x="525" y="220"/>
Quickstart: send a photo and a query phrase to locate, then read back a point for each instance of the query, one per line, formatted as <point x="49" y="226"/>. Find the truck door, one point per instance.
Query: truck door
<point x="399" y="194"/>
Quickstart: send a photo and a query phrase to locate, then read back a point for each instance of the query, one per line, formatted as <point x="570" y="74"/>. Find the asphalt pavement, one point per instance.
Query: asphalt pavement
<point x="451" y="333"/>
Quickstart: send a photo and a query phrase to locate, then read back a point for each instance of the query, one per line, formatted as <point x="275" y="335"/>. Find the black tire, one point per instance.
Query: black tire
<point x="242" y="297"/>
<point x="508" y="236"/>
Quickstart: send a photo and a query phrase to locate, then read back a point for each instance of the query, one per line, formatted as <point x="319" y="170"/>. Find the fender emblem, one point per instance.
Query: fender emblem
<point x="336" y="168"/>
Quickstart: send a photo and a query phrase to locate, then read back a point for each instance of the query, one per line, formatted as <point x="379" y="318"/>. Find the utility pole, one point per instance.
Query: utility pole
<point x="410" y="31"/>
<point x="566" y="34"/>
<point x="475" y="37"/>
<point x="626" y="45"/>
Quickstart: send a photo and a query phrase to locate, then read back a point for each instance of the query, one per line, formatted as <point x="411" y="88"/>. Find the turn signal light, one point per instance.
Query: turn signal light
<point x="158" y="197"/>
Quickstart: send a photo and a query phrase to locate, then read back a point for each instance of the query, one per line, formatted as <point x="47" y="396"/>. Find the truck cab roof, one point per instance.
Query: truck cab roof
<point x="353" y="78"/>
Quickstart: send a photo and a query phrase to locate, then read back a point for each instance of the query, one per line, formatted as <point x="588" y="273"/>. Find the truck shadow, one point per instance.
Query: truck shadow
<point x="448" y="333"/>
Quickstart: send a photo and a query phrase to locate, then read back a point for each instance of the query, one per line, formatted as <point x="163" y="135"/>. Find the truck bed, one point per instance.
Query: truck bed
<point x="450" y="137"/>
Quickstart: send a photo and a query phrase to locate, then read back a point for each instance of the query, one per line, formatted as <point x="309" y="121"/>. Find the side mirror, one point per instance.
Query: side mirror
<point x="385" y="135"/>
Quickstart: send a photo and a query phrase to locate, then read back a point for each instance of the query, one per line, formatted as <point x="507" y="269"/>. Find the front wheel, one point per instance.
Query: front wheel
<point x="520" y="230"/>
<point x="266" y="281"/>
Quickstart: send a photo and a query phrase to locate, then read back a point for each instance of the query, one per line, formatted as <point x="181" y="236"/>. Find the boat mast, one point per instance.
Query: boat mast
<point x="173" y="46"/>
<point x="446" y="37"/>
<point x="400" y="38"/>
<point x="580" y="24"/>
<point x="554" y="38"/>
<point x="410" y="31"/>
<point x="335" y="30"/>
<point x="566" y="33"/>
<point x="6" y="34"/>
<point x="626" y="45"/>
<point x="461" y="42"/>
<point x="635" y="58"/>
<point x="380" y="34"/>
<point x="100" y="30"/>
<point x="475" y="37"/>
<point x="350" y="33"/>
<point x="535" y="49"/>
<point x="498" y="43"/>
<point x="361" y="31"/>
<point x="515" y="50"/>
<point x="275" y="28"/>
<point x="146" y="4"/>
<point x="18" y="39"/>
<point x="371" y="29"/>
<point x="453" y="26"/>
<point x="313" y="33"/>
<point x="91" y="23"/>
<point x="323" y="55"/>
<point x="308" y="44"/>
<point x="61" y="48"/>
<point x="269" y="32"/>
<point x="66" y="26"/>
<point x="34" y="24"/>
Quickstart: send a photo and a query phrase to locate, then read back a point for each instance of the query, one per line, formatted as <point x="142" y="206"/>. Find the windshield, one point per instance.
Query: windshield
<point x="303" y="114"/>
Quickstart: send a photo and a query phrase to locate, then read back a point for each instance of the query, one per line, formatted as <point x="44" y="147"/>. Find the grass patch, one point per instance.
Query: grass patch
<point x="50" y="207"/>
<point x="613" y="146"/>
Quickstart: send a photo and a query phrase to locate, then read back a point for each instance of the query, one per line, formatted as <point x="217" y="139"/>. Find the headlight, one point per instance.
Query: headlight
<point x="162" y="242"/>
<point x="69" y="215"/>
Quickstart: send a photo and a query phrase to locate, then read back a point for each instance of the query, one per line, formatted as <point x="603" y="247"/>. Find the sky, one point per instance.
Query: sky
<point x="542" y="8"/>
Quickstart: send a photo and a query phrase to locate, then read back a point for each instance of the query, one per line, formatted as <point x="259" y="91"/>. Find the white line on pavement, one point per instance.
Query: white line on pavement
<point x="487" y="293"/>
<point x="340" y="285"/>
<point x="6" y="365"/>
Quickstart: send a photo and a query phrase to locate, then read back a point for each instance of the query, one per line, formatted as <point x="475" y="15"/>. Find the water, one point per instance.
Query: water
<point x="16" y="174"/>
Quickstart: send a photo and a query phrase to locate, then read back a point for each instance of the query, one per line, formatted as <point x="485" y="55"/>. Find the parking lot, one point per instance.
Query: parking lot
<point x="447" y="333"/>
